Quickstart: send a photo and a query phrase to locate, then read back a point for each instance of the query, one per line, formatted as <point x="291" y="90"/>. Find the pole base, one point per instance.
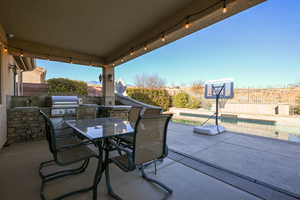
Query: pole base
<point x="209" y="129"/>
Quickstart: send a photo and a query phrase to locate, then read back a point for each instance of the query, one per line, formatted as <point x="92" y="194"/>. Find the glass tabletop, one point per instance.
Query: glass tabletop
<point x="101" y="127"/>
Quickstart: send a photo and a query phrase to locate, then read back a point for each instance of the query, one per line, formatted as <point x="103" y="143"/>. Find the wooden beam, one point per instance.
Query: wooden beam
<point x="24" y="48"/>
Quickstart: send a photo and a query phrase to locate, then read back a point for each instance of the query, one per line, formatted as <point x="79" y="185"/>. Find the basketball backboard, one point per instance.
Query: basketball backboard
<point x="223" y="87"/>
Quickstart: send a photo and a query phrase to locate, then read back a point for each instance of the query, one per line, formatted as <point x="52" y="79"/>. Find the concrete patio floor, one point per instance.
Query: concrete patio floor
<point x="19" y="179"/>
<point x="271" y="161"/>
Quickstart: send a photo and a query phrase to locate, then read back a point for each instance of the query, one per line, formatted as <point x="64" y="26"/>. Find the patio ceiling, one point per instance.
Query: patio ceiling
<point x="105" y="33"/>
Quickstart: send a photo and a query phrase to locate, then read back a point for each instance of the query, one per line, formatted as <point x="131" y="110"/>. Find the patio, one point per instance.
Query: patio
<point x="96" y="36"/>
<point x="267" y="160"/>
<point x="20" y="180"/>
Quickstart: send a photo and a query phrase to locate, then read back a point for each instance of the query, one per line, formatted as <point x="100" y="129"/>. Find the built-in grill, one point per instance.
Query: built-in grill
<point x="63" y="105"/>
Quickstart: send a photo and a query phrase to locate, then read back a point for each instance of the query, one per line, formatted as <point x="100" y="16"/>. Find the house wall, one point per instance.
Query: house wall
<point x="37" y="75"/>
<point x="7" y="88"/>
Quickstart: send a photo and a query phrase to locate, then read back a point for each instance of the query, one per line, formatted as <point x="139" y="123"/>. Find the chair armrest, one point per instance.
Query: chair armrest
<point x="120" y="148"/>
<point x="125" y="166"/>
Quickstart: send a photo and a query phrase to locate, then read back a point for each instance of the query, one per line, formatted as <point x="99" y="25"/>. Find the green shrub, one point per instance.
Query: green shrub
<point x="184" y="100"/>
<point x="181" y="100"/>
<point x="193" y="103"/>
<point x="62" y="86"/>
<point x="156" y="97"/>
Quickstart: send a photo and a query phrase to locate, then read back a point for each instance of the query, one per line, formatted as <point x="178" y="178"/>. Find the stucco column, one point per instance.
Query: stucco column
<point x="20" y="83"/>
<point x="108" y="86"/>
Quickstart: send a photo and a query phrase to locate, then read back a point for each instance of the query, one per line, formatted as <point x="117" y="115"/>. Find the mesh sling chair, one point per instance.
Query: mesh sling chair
<point x="151" y="111"/>
<point x="128" y="139"/>
<point x="133" y="116"/>
<point x="64" y="155"/>
<point x="149" y="145"/>
<point x="63" y="136"/>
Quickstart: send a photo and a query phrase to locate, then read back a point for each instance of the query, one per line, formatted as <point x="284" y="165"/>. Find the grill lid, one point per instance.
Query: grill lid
<point x="64" y="99"/>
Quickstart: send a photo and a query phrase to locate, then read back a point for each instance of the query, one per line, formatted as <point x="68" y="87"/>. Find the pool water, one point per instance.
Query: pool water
<point x="265" y="128"/>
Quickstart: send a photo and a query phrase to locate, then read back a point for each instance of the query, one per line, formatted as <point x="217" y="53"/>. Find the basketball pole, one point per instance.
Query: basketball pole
<point x="217" y="110"/>
<point x="217" y="106"/>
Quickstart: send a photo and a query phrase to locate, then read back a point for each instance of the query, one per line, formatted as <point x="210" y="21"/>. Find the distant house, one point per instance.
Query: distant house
<point x="38" y="75"/>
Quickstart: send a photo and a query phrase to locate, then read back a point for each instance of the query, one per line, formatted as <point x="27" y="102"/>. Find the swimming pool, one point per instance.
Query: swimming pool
<point x="265" y="128"/>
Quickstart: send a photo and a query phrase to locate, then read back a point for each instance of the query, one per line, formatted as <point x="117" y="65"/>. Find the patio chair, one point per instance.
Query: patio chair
<point x="65" y="153"/>
<point x="151" y="111"/>
<point x="133" y="116"/>
<point x="86" y="112"/>
<point x="134" y="113"/>
<point x="149" y="145"/>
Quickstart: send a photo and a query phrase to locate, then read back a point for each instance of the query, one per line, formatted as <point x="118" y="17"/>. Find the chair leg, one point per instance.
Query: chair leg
<point x="155" y="181"/>
<point x="74" y="172"/>
<point x="65" y="195"/>
<point x="107" y="178"/>
<point x="62" y="173"/>
<point x="45" y="164"/>
<point x="99" y="171"/>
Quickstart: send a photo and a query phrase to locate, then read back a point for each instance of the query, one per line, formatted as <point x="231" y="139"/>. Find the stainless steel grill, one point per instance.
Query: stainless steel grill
<point x="64" y="105"/>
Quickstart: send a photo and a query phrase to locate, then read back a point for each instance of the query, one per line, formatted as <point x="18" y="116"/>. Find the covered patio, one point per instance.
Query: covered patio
<point x="20" y="180"/>
<point x="227" y="166"/>
<point x="105" y="35"/>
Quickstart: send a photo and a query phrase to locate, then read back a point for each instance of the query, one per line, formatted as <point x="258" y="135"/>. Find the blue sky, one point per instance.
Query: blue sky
<point x="259" y="47"/>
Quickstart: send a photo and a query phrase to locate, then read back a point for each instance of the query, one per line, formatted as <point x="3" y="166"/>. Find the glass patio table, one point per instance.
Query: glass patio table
<point x="99" y="131"/>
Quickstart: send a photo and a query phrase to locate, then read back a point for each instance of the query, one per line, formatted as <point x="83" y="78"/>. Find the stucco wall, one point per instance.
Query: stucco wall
<point x="38" y="75"/>
<point x="6" y="89"/>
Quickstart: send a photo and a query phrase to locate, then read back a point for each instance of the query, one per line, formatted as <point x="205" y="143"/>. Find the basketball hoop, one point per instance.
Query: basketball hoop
<point x="222" y="103"/>
<point x="220" y="90"/>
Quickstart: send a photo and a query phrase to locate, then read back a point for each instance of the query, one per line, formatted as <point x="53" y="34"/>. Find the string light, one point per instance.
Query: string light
<point x="132" y="52"/>
<point x="145" y="47"/>
<point x="163" y="37"/>
<point x="224" y="7"/>
<point x="185" y="21"/>
<point x="187" y="24"/>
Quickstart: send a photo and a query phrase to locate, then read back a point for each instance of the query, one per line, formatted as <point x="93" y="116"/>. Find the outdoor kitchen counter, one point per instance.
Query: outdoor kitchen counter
<point x="25" y="124"/>
<point x="118" y="111"/>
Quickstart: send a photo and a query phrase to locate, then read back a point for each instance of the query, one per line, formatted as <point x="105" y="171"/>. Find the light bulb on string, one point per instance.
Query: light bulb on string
<point x="163" y="37"/>
<point x="132" y="52"/>
<point x="224" y="7"/>
<point x="145" y="47"/>
<point x="187" y="24"/>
